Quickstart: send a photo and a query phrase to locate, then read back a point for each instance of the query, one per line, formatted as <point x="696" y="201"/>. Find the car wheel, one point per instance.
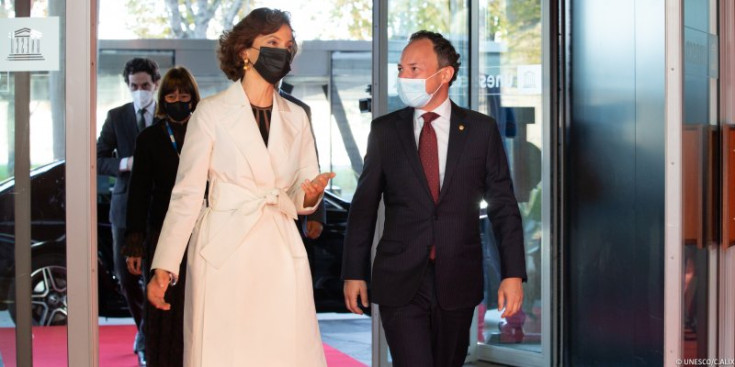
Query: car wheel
<point x="48" y="291"/>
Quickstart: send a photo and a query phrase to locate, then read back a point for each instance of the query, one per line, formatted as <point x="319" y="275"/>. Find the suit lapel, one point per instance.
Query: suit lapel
<point x="130" y="117"/>
<point x="404" y="127"/>
<point x="458" y="132"/>
<point x="130" y="127"/>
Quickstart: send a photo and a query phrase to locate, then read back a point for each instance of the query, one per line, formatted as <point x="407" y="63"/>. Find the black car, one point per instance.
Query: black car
<point x="48" y="247"/>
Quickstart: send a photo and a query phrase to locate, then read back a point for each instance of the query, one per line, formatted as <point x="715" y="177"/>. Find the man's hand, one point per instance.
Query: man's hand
<point x="510" y="296"/>
<point x="314" y="188"/>
<point x="314" y="229"/>
<point x="157" y="289"/>
<point x="134" y="264"/>
<point x="352" y="290"/>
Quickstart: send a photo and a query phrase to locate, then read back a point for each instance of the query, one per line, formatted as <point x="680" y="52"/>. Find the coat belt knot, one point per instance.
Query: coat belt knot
<point x="271" y="198"/>
<point x="280" y="199"/>
<point x="233" y="213"/>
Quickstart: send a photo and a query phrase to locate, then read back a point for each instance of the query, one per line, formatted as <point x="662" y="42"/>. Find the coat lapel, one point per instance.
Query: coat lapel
<point x="282" y="133"/>
<point x="404" y="127"/>
<point x="459" y="129"/>
<point x="243" y="129"/>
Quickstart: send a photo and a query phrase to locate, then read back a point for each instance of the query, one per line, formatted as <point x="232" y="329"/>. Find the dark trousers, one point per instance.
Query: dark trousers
<point x="421" y="333"/>
<point x="130" y="286"/>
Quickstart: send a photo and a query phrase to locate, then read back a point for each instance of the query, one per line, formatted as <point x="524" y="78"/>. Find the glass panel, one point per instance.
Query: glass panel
<point x="510" y="91"/>
<point x="7" y="205"/>
<point x="450" y="18"/>
<point x="340" y="127"/>
<point x="47" y="150"/>
<point x="699" y="149"/>
<point x="351" y="79"/>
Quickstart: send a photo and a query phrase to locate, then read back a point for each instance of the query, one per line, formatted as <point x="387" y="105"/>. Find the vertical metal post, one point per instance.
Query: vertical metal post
<point x="549" y="51"/>
<point x="473" y="93"/>
<point x="673" y="284"/>
<point x="713" y="319"/>
<point x="726" y="348"/>
<point x="23" y="335"/>
<point x="380" y="58"/>
<point x="474" y="51"/>
<point x="81" y="187"/>
<point x="379" y="107"/>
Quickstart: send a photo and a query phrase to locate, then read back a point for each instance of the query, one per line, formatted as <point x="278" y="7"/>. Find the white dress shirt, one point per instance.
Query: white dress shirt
<point x="441" y="128"/>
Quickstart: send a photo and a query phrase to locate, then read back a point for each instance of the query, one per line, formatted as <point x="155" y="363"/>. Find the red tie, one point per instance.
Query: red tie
<point x="429" y="154"/>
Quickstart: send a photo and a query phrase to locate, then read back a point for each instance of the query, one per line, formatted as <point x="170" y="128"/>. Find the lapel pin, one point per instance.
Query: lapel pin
<point x="461" y="127"/>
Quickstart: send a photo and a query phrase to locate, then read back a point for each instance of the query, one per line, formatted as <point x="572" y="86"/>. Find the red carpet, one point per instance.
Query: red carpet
<point x="49" y="348"/>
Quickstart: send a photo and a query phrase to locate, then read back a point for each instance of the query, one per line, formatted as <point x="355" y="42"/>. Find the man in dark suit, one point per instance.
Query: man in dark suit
<point x="115" y="148"/>
<point x="432" y="163"/>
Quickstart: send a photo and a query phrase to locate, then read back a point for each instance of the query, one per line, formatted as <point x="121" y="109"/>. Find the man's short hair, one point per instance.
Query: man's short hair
<point x="139" y="64"/>
<point x="445" y="52"/>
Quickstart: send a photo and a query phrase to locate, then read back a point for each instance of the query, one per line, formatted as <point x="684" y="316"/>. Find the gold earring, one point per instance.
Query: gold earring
<point x="246" y="65"/>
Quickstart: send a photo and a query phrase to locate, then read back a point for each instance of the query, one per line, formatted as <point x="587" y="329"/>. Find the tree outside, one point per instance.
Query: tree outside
<point x="182" y="19"/>
<point x="185" y="18"/>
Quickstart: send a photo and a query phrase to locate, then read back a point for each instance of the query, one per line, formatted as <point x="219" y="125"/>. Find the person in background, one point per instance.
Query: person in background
<point x="248" y="287"/>
<point x="431" y="163"/>
<point x="115" y="147"/>
<point x="157" y="151"/>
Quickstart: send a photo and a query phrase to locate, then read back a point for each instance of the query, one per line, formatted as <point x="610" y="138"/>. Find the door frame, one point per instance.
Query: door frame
<point x="379" y="107"/>
<point x="726" y="302"/>
<point x="673" y="287"/>
<point x="81" y="188"/>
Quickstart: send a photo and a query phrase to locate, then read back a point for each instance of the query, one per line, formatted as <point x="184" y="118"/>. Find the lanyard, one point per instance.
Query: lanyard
<point x="173" y="141"/>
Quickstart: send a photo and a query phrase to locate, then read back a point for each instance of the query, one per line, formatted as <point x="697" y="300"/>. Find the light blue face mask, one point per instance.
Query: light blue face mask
<point x="413" y="91"/>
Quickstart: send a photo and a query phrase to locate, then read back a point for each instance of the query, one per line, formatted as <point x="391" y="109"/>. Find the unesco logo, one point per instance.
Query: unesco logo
<point x="25" y="45"/>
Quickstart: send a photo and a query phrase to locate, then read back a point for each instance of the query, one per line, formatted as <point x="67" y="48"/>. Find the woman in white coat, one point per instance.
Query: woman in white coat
<point x="249" y="300"/>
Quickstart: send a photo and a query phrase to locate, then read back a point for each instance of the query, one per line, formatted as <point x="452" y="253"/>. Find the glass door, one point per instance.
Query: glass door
<point x="500" y="43"/>
<point x="33" y="279"/>
<point x="701" y="193"/>
<point x="402" y="18"/>
<point x="510" y="79"/>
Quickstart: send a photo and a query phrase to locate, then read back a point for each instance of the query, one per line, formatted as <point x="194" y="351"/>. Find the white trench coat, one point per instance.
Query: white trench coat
<point x="249" y="299"/>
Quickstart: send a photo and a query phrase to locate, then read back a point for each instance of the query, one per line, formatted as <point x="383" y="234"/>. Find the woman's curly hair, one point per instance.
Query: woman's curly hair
<point x="260" y="21"/>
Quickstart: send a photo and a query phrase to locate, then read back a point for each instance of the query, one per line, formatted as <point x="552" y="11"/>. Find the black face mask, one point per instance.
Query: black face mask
<point x="178" y="111"/>
<point x="273" y="63"/>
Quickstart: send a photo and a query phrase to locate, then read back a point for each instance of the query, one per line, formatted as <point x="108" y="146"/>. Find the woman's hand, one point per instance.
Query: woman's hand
<point x="157" y="289"/>
<point x="134" y="264"/>
<point x="314" y="188"/>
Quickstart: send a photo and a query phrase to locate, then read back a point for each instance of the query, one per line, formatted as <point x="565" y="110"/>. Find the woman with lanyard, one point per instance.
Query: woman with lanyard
<point x="156" y="161"/>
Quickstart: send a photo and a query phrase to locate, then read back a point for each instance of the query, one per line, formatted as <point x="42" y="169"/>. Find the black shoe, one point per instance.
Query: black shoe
<point x="141" y="358"/>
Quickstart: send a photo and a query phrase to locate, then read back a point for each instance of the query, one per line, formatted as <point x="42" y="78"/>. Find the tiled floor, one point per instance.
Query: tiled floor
<point x="348" y="333"/>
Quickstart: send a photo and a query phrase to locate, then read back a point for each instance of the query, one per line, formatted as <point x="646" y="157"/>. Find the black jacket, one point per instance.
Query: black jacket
<point x="153" y="178"/>
<point x="117" y="141"/>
